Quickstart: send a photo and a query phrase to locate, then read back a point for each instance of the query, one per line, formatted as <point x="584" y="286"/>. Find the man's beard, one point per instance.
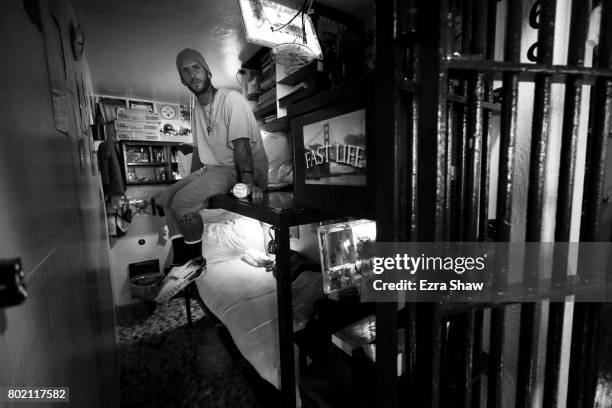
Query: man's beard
<point x="205" y="88"/>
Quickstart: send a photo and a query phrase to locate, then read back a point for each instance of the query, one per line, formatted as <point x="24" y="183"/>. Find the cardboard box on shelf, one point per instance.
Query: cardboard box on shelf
<point x="137" y="115"/>
<point x="149" y="135"/>
<point x="176" y="138"/>
<point x="253" y="86"/>
<point x="121" y="124"/>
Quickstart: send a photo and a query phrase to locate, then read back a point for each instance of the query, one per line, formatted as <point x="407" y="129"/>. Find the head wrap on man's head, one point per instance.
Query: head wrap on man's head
<point x="191" y="54"/>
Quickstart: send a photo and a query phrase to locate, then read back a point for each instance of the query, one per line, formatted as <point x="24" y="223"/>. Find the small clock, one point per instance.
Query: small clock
<point x="167" y="112"/>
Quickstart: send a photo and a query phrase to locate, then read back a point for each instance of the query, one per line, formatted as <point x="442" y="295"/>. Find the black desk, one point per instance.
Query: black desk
<point x="277" y="209"/>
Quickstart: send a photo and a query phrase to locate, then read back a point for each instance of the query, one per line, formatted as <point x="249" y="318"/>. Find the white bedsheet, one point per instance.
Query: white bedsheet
<point x="244" y="299"/>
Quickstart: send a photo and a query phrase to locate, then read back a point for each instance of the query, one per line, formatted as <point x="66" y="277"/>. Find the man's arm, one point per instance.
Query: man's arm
<point x="244" y="161"/>
<point x="196" y="164"/>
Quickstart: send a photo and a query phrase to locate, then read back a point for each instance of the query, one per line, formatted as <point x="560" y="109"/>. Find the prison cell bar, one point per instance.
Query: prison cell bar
<point x="449" y="182"/>
<point x="527" y="359"/>
<point x="432" y="142"/>
<point x="476" y="352"/>
<point x="453" y="169"/>
<point x="508" y="135"/>
<point x="462" y="165"/>
<point x="488" y="126"/>
<point x="471" y="179"/>
<point x="601" y="130"/>
<point x="475" y="123"/>
<point x="475" y="134"/>
<point x="483" y="230"/>
<point x="398" y="78"/>
<point x="386" y="216"/>
<point x="467" y="11"/>
<point x="409" y="30"/>
<point x="565" y="196"/>
<point x="584" y="332"/>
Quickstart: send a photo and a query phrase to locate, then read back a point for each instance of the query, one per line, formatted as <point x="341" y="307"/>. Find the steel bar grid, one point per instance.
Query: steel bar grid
<point x="441" y="131"/>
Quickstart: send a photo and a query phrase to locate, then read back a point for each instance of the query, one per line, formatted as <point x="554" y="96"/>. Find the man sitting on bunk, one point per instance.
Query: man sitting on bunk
<point x="227" y="149"/>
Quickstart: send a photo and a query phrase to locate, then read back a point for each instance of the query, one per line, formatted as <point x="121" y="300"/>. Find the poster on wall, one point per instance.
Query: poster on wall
<point x="76" y="111"/>
<point x="141" y="105"/>
<point x="335" y="150"/>
<point x="60" y="111"/>
<point x="84" y="100"/>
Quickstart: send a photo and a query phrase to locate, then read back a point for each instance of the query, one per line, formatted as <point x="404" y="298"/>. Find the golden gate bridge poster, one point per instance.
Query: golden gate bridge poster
<point x="335" y="150"/>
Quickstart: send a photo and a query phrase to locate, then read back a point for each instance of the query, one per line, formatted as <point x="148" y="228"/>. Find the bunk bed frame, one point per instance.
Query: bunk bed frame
<point x="277" y="209"/>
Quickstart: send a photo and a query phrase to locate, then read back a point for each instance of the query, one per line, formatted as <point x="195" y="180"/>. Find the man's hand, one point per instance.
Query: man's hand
<point x="256" y="193"/>
<point x="244" y="161"/>
<point x="254" y="189"/>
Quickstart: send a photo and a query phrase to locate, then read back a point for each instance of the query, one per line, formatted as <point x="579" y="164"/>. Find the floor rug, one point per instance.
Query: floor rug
<point x="164" y="363"/>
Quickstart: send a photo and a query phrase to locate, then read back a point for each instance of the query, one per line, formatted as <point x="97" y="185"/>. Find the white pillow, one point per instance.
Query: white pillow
<point x="277" y="149"/>
<point x="230" y="238"/>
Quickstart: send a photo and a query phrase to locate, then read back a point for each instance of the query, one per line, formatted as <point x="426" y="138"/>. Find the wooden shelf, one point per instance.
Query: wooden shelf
<point x="146" y="183"/>
<point x="265" y="110"/>
<point x="279" y="124"/>
<point x="254" y="63"/>
<point x="329" y="97"/>
<point x="150" y="142"/>
<point x="275" y="208"/>
<point x="302" y="74"/>
<point x="149" y="164"/>
<point x="296" y="96"/>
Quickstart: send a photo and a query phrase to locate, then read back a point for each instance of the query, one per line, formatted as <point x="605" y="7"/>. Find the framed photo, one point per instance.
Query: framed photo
<point x="330" y="146"/>
<point x="335" y="149"/>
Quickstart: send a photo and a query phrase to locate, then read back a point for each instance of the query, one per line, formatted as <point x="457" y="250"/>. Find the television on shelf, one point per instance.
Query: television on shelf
<point x="331" y="156"/>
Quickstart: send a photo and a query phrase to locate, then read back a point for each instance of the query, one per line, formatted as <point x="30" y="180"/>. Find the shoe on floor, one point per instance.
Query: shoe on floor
<point x="179" y="277"/>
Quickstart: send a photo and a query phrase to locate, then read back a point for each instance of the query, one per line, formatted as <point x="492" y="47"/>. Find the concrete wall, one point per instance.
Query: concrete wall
<point x="52" y="217"/>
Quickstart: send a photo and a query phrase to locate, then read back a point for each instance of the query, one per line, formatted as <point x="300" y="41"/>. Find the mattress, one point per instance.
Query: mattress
<point x="243" y="297"/>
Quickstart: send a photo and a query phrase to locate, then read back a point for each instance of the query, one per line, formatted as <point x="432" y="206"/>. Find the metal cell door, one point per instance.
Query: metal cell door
<point x="495" y="116"/>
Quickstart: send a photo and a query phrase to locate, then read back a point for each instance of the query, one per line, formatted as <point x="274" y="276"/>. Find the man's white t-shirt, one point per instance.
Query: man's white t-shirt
<point x="230" y="118"/>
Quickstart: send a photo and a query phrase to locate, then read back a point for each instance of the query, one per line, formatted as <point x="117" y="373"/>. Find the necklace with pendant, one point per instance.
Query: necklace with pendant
<point x="209" y="116"/>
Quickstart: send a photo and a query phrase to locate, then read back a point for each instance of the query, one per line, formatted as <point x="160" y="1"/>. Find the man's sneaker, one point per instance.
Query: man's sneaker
<point x="179" y="277"/>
